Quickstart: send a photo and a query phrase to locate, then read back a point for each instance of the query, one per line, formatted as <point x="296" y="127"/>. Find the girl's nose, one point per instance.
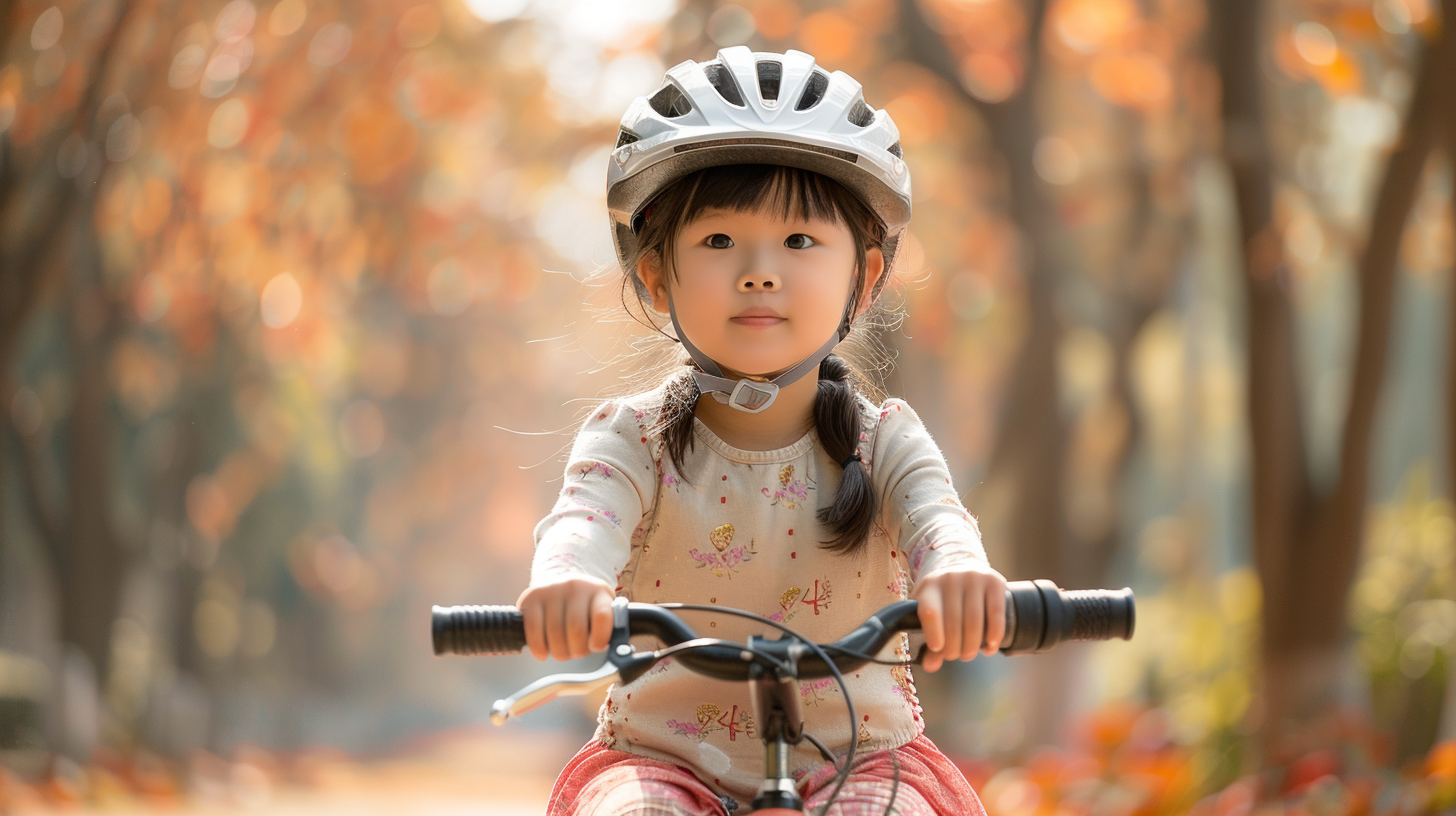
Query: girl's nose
<point x="759" y="281"/>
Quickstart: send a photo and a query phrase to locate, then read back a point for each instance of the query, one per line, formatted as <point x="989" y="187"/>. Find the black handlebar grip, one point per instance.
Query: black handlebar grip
<point x="1100" y="614"/>
<point x="472" y="630"/>
<point x="1040" y="615"/>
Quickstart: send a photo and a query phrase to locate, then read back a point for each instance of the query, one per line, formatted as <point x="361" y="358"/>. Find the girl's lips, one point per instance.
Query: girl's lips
<point x="758" y="321"/>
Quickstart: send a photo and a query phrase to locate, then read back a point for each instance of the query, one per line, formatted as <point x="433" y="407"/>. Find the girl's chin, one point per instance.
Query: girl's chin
<point x="762" y="372"/>
<point x="766" y="364"/>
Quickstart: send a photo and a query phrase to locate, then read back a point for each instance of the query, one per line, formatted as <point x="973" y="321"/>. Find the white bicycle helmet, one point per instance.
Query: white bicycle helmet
<point x="747" y="107"/>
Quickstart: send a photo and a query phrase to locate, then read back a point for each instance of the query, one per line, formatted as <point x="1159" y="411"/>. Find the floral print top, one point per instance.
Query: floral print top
<point x="738" y="528"/>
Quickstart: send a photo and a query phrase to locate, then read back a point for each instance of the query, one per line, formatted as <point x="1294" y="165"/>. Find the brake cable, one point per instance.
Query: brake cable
<point x="705" y="642"/>
<point x="869" y="658"/>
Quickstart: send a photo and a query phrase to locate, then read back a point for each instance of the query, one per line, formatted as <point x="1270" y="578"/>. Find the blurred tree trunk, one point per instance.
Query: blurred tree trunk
<point x="1025" y="496"/>
<point x="56" y="215"/>
<point x="1307" y="540"/>
<point x="26" y="262"/>
<point x="91" y="565"/>
<point x="34" y="194"/>
<point x="1155" y="249"/>
<point x="1031" y="443"/>
<point x="1030" y="458"/>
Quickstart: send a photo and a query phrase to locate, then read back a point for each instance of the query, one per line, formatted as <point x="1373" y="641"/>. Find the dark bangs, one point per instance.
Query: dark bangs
<point x="770" y="189"/>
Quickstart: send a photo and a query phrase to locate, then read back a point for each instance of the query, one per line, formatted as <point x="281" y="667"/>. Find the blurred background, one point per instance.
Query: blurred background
<point x="298" y="313"/>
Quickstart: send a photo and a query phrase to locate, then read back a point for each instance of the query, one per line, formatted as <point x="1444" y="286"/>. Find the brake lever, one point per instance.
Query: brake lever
<point x="621" y="666"/>
<point x="549" y="688"/>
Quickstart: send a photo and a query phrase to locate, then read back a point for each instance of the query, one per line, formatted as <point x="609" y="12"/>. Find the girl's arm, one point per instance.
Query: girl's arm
<point x="962" y="598"/>
<point x="584" y="543"/>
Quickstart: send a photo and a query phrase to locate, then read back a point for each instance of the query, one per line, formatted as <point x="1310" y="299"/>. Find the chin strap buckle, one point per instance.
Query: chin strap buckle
<point x="753" y="397"/>
<point x="749" y="396"/>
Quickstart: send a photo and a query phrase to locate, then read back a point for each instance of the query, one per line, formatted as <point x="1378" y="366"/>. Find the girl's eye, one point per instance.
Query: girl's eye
<point x="719" y="241"/>
<point x="798" y="241"/>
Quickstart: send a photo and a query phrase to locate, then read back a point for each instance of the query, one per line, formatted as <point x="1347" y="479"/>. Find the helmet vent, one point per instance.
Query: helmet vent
<point x="894" y="149"/>
<point x="722" y="80"/>
<point x="814" y="91"/>
<point x="769" y="74"/>
<point x="626" y="137"/>
<point x="670" y="102"/>
<point x="861" y="114"/>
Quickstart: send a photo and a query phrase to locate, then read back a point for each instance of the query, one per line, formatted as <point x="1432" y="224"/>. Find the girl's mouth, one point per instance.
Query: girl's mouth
<point x="758" y="321"/>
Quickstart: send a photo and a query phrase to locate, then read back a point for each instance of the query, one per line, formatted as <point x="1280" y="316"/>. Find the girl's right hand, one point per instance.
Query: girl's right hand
<point x="567" y="619"/>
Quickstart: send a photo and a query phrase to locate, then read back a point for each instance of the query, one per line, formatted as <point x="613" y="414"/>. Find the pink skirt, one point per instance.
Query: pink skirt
<point x="599" y="781"/>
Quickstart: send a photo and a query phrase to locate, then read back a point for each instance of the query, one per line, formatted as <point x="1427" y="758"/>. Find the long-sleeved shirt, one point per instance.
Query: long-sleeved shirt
<point x="739" y="528"/>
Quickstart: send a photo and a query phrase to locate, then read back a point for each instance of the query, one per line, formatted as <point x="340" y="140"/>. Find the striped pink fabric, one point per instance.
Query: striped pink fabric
<point x="599" y="781"/>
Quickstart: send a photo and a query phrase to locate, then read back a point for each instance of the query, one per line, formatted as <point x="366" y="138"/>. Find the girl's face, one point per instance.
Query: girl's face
<point x="756" y="293"/>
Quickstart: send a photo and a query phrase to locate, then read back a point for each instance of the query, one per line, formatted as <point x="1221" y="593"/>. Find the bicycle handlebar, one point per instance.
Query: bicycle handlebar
<point x="1039" y="615"/>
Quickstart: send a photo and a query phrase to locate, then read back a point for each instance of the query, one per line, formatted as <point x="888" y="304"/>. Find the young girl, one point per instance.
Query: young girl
<point x="757" y="206"/>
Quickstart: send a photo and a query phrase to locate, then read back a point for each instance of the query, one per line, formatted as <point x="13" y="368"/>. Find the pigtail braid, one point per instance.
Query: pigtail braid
<point x="837" y="417"/>
<point x="675" y="421"/>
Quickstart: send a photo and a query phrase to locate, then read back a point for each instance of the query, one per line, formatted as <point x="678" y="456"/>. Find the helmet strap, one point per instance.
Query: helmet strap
<point x="750" y="396"/>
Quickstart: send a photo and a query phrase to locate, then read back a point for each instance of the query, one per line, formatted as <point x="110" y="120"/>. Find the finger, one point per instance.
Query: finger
<point x="601" y="622"/>
<point x="932" y="662"/>
<point x="932" y="618"/>
<point x="995" y="618"/>
<point x="974" y="632"/>
<point x="556" y="629"/>
<point x="534" y="618"/>
<point x="578" y="615"/>
<point x="952" y="599"/>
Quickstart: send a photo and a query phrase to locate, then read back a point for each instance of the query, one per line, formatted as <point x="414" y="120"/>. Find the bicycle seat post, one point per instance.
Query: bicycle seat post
<point x="775" y="699"/>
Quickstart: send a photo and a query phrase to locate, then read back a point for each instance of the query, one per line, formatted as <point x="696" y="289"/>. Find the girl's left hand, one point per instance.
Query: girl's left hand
<point x="962" y="612"/>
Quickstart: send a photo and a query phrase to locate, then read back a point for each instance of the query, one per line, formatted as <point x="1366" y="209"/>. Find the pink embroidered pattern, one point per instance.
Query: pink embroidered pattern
<point x="811" y="692"/>
<point x="588" y="468"/>
<point x="710" y="718"/>
<point x="724" y="556"/>
<point x="791" y="492"/>
<point x="564" y="561"/>
<point x="903" y="687"/>
<point x="918" y="559"/>
<point x="567" y="504"/>
<point x="787" y="611"/>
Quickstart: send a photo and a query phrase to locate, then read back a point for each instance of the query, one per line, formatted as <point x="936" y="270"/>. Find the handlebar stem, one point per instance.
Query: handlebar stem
<point x="774" y="697"/>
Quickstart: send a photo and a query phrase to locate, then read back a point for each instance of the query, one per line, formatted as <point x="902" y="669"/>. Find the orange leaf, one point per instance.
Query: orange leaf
<point x="919" y="114"/>
<point x="829" y="36"/>
<point x="1341" y="76"/>
<point x="151" y="206"/>
<point x="1134" y="80"/>
<point x="377" y="139"/>
<point x="1087" y="26"/>
<point x="776" y="20"/>
<point x="1441" y="761"/>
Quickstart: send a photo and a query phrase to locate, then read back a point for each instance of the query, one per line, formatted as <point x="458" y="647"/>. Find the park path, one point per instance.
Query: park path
<point x="469" y="771"/>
